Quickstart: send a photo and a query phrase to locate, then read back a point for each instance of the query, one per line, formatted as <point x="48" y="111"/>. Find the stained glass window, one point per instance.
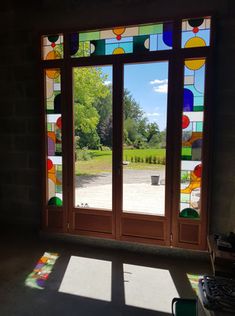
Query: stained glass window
<point x="122" y="40"/>
<point x="52" y="47"/>
<point x="192" y="137"/>
<point x="196" y="32"/>
<point x="54" y="135"/>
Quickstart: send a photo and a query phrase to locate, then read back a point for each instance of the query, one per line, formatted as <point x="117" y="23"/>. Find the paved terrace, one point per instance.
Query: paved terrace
<point x="139" y="194"/>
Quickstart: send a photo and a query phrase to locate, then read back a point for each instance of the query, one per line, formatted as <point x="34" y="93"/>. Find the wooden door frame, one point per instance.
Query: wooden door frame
<point x="57" y="219"/>
<point x="119" y="216"/>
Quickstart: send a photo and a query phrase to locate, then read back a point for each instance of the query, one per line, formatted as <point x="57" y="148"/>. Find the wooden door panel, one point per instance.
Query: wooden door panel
<point x="143" y="228"/>
<point x="93" y="222"/>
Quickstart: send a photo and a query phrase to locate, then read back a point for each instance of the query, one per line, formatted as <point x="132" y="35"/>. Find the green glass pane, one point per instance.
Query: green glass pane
<point x="98" y="47"/>
<point x="186" y="153"/>
<point x="199" y="127"/>
<point x="151" y="29"/>
<point x="198" y="108"/>
<point x="50" y="106"/>
<point x="139" y="44"/>
<point x="55" y="201"/>
<point x="89" y="36"/>
<point x="49" y="127"/>
<point x="58" y="149"/>
<point x="186" y="150"/>
<point x="189" y="213"/>
<point x="185" y="176"/>
<point x="53" y="38"/>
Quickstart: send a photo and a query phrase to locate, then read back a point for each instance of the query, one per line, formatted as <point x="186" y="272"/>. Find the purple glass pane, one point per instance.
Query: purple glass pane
<point x="51" y="147"/>
<point x="188" y="100"/>
<point x="168" y="34"/>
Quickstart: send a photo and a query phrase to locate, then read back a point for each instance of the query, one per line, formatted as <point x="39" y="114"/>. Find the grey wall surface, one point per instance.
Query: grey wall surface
<point x="20" y="128"/>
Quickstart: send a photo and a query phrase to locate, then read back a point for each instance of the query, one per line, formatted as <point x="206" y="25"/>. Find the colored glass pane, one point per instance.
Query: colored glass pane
<point x="54" y="135"/>
<point x="195" y="32"/>
<point x="83" y="37"/>
<point x="52" y="47"/>
<point x="192" y="138"/>
<point x="122" y="40"/>
<point x="151" y="29"/>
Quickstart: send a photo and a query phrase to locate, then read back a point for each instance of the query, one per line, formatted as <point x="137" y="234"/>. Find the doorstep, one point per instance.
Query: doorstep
<point x="173" y="252"/>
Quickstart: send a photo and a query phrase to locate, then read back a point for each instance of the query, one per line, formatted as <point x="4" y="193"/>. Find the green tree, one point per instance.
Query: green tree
<point x="131" y="107"/>
<point x="131" y="127"/>
<point x="163" y="138"/>
<point x="155" y="141"/>
<point x="105" y="125"/>
<point x="152" y="129"/>
<point x="89" y="90"/>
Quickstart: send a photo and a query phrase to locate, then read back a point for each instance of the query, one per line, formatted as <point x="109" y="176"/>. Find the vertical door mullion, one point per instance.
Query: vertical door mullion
<point x="177" y="70"/>
<point x="68" y="135"/>
<point x="117" y="145"/>
<point x="170" y="152"/>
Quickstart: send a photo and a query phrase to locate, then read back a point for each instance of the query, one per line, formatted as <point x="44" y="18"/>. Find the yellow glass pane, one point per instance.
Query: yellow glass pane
<point x="194" y="64"/>
<point x="195" y="42"/>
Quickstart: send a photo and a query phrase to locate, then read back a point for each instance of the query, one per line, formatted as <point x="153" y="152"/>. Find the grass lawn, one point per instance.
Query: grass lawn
<point x="101" y="161"/>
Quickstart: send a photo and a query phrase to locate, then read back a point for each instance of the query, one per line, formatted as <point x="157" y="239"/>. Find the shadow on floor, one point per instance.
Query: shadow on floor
<point x="129" y="283"/>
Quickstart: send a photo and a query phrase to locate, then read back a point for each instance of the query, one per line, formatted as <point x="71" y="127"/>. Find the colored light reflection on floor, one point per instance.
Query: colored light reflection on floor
<point x="193" y="279"/>
<point x="42" y="270"/>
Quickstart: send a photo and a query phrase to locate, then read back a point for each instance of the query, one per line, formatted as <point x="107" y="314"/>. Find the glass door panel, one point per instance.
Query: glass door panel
<point x="92" y="102"/>
<point x="144" y="137"/>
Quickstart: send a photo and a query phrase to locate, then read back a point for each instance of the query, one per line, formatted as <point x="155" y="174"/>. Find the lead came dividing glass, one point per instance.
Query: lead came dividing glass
<point x="192" y="138"/>
<point x="196" y="32"/>
<point x="52" y="47"/>
<point x="122" y="40"/>
<point x="54" y="135"/>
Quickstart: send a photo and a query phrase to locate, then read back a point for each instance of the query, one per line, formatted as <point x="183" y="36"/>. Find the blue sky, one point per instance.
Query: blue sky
<point x="147" y="83"/>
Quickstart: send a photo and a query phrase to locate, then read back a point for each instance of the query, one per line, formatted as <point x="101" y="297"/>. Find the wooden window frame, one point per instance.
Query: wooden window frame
<point x="56" y="219"/>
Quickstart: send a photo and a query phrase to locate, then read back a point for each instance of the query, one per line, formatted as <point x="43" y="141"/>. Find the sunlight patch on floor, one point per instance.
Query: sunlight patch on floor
<point x="88" y="277"/>
<point x="148" y="288"/>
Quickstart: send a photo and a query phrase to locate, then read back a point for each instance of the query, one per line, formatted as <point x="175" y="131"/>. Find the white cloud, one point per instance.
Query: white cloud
<point x="157" y="81"/>
<point x="153" y="114"/>
<point x="107" y="82"/>
<point x="159" y="86"/>
<point x="162" y="88"/>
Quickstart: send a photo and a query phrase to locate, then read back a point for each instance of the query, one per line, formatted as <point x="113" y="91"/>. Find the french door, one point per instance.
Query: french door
<point x="126" y="124"/>
<point x="122" y="191"/>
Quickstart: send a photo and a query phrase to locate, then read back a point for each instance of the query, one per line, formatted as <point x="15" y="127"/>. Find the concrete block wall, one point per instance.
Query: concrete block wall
<point x="20" y="130"/>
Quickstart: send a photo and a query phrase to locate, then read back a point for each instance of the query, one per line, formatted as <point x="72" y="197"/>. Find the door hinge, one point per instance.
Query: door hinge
<point x="171" y="237"/>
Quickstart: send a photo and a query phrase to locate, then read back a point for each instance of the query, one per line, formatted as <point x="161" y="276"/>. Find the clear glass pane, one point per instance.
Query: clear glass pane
<point x="192" y="137"/>
<point x="144" y="137"/>
<point x="92" y="89"/>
